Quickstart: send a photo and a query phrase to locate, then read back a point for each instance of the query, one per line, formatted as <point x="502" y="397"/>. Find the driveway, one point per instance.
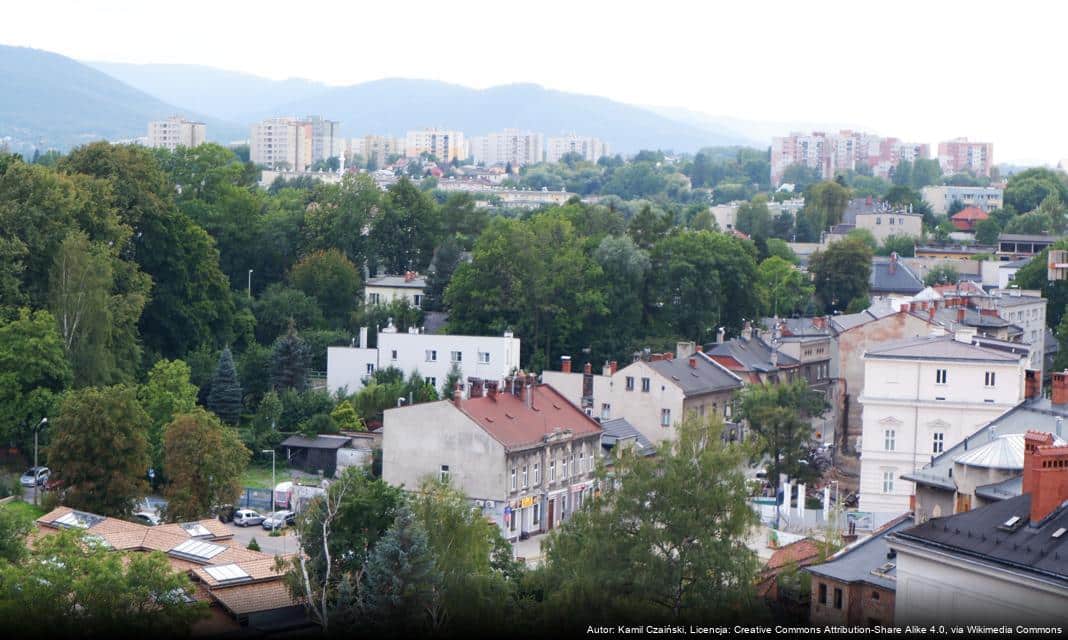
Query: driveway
<point x="283" y="544"/>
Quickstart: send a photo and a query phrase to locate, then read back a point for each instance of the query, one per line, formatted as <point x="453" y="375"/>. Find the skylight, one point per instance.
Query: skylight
<point x="197" y="550"/>
<point x="78" y="520"/>
<point x="1011" y="521"/>
<point x="195" y="529"/>
<point x="228" y="573"/>
<point x="1059" y="532"/>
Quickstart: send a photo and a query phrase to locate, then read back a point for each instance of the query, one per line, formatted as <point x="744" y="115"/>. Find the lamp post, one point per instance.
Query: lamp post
<point x="273" y="483"/>
<point x="250" y="283"/>
<point x="36" y="472"/>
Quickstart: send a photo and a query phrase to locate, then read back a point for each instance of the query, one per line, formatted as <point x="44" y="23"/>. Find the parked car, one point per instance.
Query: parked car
<point x="226" y="513"/>
<point x="147" y="518"/>
<point x="247" y="517"/>
<point x="279" y="519"/>
<point x="35" y="476"/>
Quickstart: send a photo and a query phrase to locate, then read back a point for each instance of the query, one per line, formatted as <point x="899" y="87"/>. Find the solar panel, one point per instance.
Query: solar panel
<point x="227" y="573"/>
<point x="195" y="529"/>
<point x="197" y="550"/>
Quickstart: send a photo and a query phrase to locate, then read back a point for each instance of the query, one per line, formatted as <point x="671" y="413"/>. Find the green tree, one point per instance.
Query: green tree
<point x="290" y="360"/>
<point x="1026" y="190"/>
<point x="754" y="217"/>
<point x="865" y="236"/>
<point x="778" y="416"/>
<point x="15" y="526"/>
<point x="99" y="450"/>
<point x="278" y="305"/>
<point x="783" y="289"/>
<point x="941" y="274"/>
<point x="346" y="418"/>
<point x="34" y="371"/>
<point x="442" y="266"/>
<point x="406" y="231"/>
<point x="904" y="246"/>
<point x="1035" y="222"/>
<point x="779" y="248"/>
<point x="167" y="393"/>
<point x="463" y="220"/>
<point x="203" y="460"/>
<point x="625" y="269"/>
<point x="224" y="399"/>
<point x="987" y="231"/>
<point x="801" y="176"/>
<point x="830" y="199"/>
<point x="840" y="273"/>
<point x="648" y="227"/>
<point x="332" y="280"/>
<point x="642" y="551"/>
<point x="401" y="595"/>
<point x="73" y="586"/>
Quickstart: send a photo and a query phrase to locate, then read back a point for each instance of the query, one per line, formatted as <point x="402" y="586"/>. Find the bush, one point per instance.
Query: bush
<point x="253" y="545"/>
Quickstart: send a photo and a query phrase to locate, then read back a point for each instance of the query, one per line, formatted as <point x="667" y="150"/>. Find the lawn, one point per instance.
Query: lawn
<point x="25" y="508"/>
<point x="258" y="476"/>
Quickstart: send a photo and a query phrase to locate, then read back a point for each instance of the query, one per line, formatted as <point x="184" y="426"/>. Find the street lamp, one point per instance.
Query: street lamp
<point x="250" y="283"/>
<point x="36" y="430"/>
<point x="400" y="401"/>
<point x="273" y="483"/>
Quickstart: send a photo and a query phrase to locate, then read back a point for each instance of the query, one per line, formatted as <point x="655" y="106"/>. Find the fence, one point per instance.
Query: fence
<point x="812" y="520"/>
<point x="258" y="499"/>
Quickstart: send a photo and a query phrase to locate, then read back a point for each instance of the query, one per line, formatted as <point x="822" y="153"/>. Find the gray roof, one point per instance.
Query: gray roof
<point x="899" y="280"/>
<point x="972" y="318"/>
<point x="1009" y="300"/>
<point x="706" y="376"/>
<point x="1001" y="490"/>
<point x="618" y="429"/>
<point x="862" y="561"/>
<point x="877" y="311"/>
<point x="939" y="348"/>
<point x="753" y="354"/>
<point x="1037" y="414"/>
<point x="318" y="442"/>
<point x="1027" y="237"/>
<point x="984" y="534"/>
<point x="796" y="327"/>
<point x="419" y="282"/>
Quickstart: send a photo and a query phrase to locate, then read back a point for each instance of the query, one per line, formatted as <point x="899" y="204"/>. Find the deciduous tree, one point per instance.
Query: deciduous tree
<point x="203" y="460"/>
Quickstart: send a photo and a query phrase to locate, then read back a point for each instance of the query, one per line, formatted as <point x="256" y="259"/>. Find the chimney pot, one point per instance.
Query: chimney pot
<point x="587" y="369"/>
<point x="457" y="394"/>
<point x="693" y="363"/>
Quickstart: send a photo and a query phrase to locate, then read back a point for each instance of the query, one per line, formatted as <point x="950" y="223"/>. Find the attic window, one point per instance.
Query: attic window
<point x="1012" y="524"/>
<point x="195" y="529"/>
<point x="1059" y="532"/>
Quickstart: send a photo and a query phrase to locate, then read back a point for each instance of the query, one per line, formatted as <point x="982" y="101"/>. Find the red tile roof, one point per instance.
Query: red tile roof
<point x="971" y="213"/>
<point x="798" y="552"/>
<point x="508" y="420"/>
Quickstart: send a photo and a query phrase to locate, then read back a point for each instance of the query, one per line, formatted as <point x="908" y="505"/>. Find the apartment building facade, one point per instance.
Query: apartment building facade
<point x="326" y="138"/>
<point x="282" y="143"/>
<point x="511" y="146"/>
<point x="591" y="149"/>
<point x="941" y="197"/>
<point x="445" y="145"/>
<point x="175" y="132"/>
<point x="845" y="150"/>
<point x="376" y="149"/>
<point x="961" y="156"/>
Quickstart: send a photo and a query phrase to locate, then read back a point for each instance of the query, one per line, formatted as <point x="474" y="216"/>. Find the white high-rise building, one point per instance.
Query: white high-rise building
<point x="376" y="148"/>
<point x="326" y="138"/>
<point x="510" y="146"/>
<point x="176" y="132"/>
<point x="443" y="144"/>
<point x="282" y="143"/>
<point x="590" y="149"/>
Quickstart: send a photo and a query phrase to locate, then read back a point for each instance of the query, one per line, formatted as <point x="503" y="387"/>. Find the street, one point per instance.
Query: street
<point x="283" y="544"/>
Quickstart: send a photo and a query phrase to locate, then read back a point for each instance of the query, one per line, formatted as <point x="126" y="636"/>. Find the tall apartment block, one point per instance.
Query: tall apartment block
<point x="510" y="146"/>
<point x="376" y="148"/>
<point x="443" y="144"/>
<point x="176" y="132"/>
<point x="282" y="143"/>
<point x="842" y="151"/>
<point x="960" y="156"/>
<point x="326" y="138"/>
<point x="590" y="149"/>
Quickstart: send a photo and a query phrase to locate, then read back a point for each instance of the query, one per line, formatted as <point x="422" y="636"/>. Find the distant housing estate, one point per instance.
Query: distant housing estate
<point x="176" y="132"/>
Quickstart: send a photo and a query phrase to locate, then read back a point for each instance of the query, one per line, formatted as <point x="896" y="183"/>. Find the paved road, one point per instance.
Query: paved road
<point x="283" y="544"/>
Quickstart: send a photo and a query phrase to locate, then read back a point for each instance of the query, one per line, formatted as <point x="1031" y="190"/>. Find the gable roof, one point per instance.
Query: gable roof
<point x="618" y="429"/>
<point x="753" y="354"/>
<point x="866" y="561"/>
<point x="397" y="282"/>
<point x="706" y="376"/>
<point x="318" y="442"/>
<point x="982" y="534"/>
<point x="509" y="421"/>
<point x="939" y="348"/>
<point x="900" y="279"/>
<point x="971" y="213"/>
<point x="877" y="311"/>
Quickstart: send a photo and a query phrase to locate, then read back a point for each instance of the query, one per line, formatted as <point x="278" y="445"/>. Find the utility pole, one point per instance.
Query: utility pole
<point x="36" y="472"/>
<point x="273" y="482"/>
<point x="250" y="284"/>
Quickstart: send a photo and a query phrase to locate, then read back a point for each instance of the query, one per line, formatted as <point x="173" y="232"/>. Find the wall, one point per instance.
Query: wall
<point x="642" y="409"/>
<point x="389" y="294"/>
<point x="417" y="440"/>
<point x="883" y="225"/>
<point x="570" y="386"/>
<point x="346" y="367"/>
<point x="859" y="604"/>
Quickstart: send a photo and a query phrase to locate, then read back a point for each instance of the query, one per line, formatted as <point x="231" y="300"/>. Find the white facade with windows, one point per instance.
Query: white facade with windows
<point x="510" y="146"/>
<point x="444" y="145"/>
<point x="176" y="132"/>
<point x="432" y="355"/>
<point x="591" y="149"/>
<point x="922" y="396"/>
<point x="281" y="143"/>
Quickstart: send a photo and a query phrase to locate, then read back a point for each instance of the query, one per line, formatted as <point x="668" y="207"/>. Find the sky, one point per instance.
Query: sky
<point x="920" y="71"/>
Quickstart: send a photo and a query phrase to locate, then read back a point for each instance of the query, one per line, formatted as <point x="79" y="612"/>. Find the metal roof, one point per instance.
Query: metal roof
<point x="939" y="348"/>
<point x="197" y="550"/>
<point x="706" y="376"/>
<point x="753" y="354"/>
<point x="900" y="280"/>
<point x="1003" y="452"/>
<point x="318" y="442"/>
<point x="618" y="429"/>
<point x="867" y="560"/>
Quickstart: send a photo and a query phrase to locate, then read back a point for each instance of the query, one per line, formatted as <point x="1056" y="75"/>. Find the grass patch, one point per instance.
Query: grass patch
<point x="25" y="509"/>
<point x="258" y="476"/>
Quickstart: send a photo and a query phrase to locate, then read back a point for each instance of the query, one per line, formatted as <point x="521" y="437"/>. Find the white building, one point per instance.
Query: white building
<point x="376" y="148"/>
<point x="591" y="149"/>
<point x="883" y="224"/>
<point x="385" y="289"/>
<point x="443" y="144"/>
<point x="510" y="146"/>
<point x="922" y="396"/>
<point x="726" y="215"/>
<point x="281" y="143"/>
<point x="940" y="197"/>
<point x="326" y="138"/>
<point x="431" y="355"/>
<point x="176" y="132"/>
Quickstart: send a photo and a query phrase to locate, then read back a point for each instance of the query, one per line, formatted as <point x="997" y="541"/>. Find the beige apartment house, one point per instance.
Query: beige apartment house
<point x="282" y="143"/>
<point x="176" y="132"/>
<point x="443" y="144"/>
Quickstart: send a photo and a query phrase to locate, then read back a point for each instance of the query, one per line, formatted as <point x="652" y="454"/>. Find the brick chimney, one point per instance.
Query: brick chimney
<point x="491" y="390"/>
<point x="693" y="363"/>
<point x="700" y="348"/>
<point x="457" y="394"/>
<point x="668" y="355"/>
<point x="905" y="308"/>
<point x="587" y="369"/>
<point x="892" y="268"/>
<point x="1032" y="384"/>
<point x="960" y="314"/>
<point x="989" y="312"/>
<point x="1059" y="384"/>
<point x="1045" y="474"/>
<point x="475" y="386"/>
<point x="613" y="366"/>
<point x="565" y="364"/>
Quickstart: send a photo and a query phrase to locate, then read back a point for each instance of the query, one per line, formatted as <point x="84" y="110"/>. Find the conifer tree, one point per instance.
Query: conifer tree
<point x="290" y="362"/>
<point x="402" y="581"/>
<point x="224" y="399"/>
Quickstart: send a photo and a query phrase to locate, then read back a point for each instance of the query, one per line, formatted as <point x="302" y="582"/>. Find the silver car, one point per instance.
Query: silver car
<point x="247" y="517"/>
<point x="35" y="476"/>
<point x="278" y="519"/>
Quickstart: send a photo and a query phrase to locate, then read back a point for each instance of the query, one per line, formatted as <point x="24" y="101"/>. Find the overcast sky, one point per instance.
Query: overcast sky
<point x="921" y="71"/>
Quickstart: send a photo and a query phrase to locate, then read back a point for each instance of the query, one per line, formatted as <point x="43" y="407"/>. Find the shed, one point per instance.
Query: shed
<point x="315" y="454"/>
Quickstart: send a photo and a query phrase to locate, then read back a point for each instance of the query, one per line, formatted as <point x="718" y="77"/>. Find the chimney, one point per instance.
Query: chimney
<point x="1045" y="475"/>
<point x="1032" y="384"/>
<point x="964" y="334"/>
<point x="700" y="348"/>
<point x="775" y="357"/>
<point x="613" y="366"/>
<point x="989" y="312"/>
<point x="587" y="369"/>
<point x="693" y="363"/>
<point x="684" y="349"/>
<point x="905" y="308"/>
<point x="892" y="268"/>
<point x="668" y="355"/>
<point x="719" y="335"/>
<point x="930" y="314"/>
<point x="457" y="394"/>
<point x="960" y="314"/>
<point x="747" y="331"/>
<point x="475" y="386"/>
<point x="491" y="390"/>
<point x="363" y="337"/>
<point x="565" y="364"/>
<point x="1059" y="384"/>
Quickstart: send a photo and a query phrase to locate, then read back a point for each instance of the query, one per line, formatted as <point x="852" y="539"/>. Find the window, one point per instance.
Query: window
<point x="989" y="379"/>
<point x="483" y="357"/>
<point x="878" y="220"/>
<point x="582" y="463"/>
<point x="513" y="479"/>
<point x="940" y="376"/>
<point x="563" y="468"/>
<point x="665" y="417"/>
<point x="512" y="518"/>
<point x="525" y="485"/>
<point x="889" y="439"/>
<point x="888" y="481"/>
<point x="418" y="300"/>
<point x="606" y="411"/>
<point x="374" y="298"/>
<point x="552" y="470"/>
<point x="370" y="368"/>
<point x="837" y="598"/>
<point x="645" y="385"/>
<point x="891" y="218"/>
<point x="874" y="595"/>
<point x="393" y="354"/>
<point x="939" y="442"/>
<point x="537" y="474"/>
<point x="431" y="355"/>
<point x="432" y="381"/>
<point x="456" y="356"/>
<point x="537" y="514"/>
<point x="574" y="467"/>
<point x="823" y="593"/>
<point x="630" y="383"/>
<point x="443" y="474"/>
